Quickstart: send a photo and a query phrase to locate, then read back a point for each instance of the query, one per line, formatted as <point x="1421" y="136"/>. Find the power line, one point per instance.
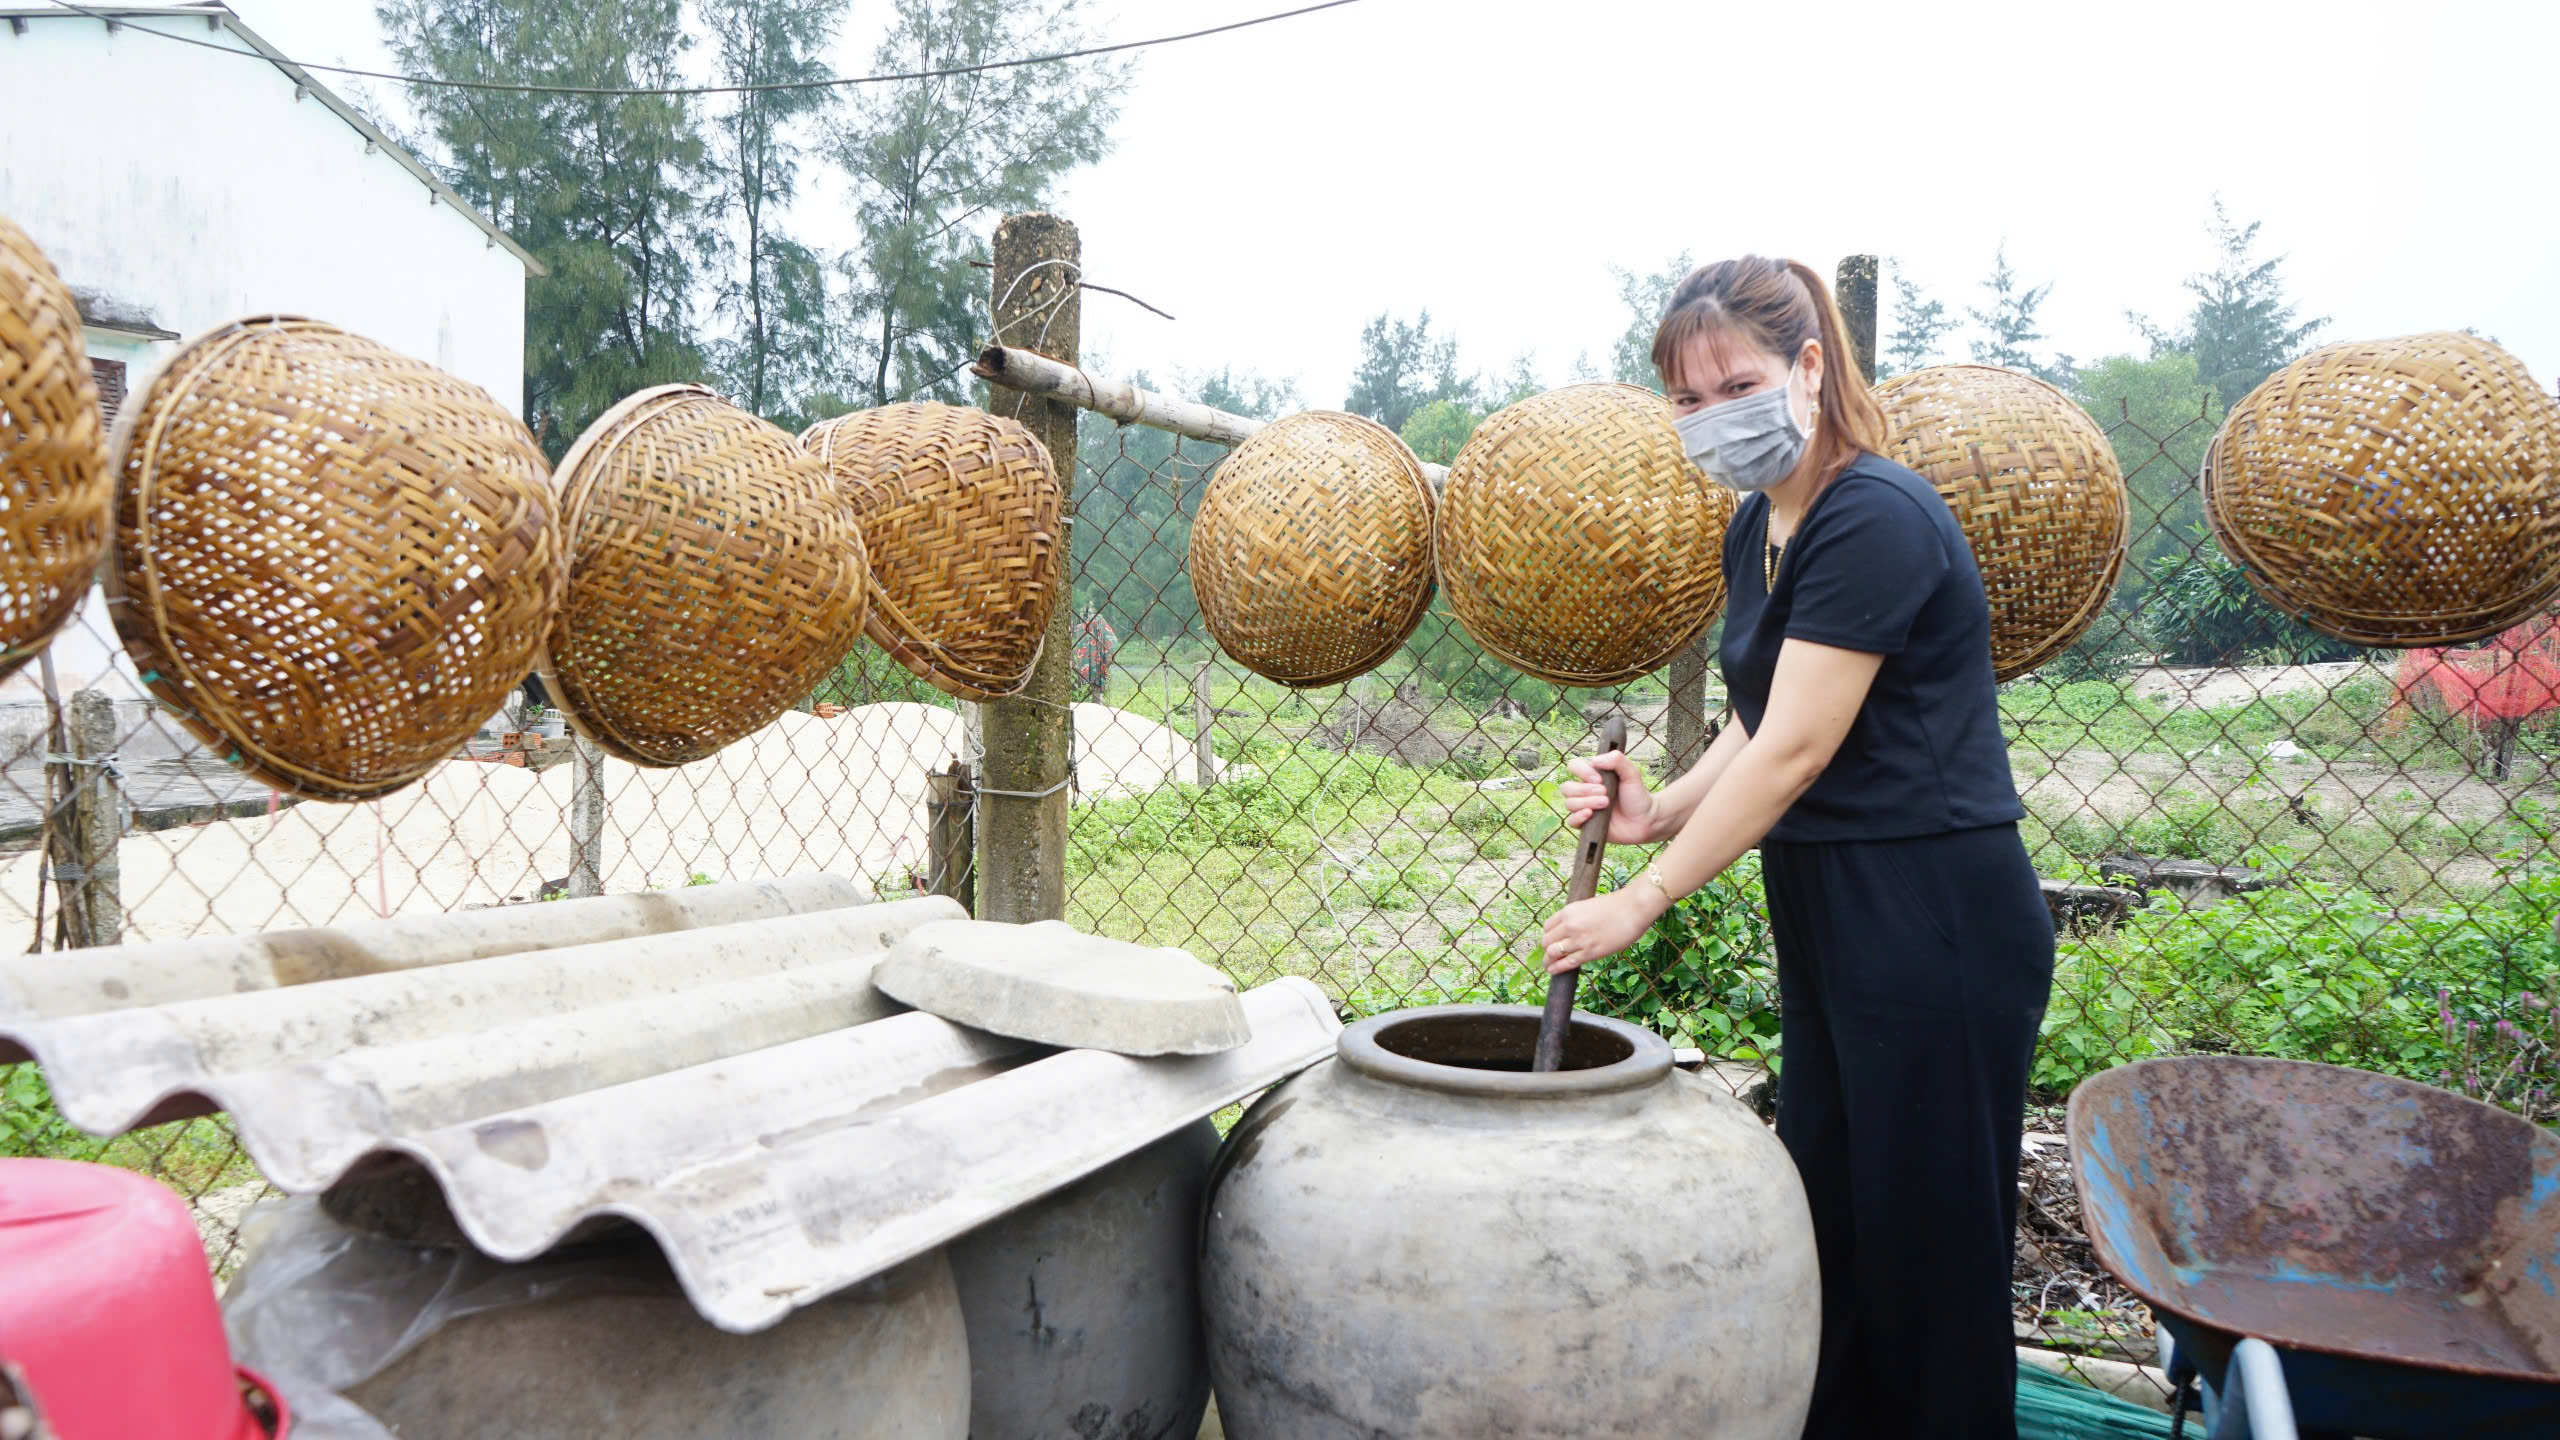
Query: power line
<point x="826" y="84"/>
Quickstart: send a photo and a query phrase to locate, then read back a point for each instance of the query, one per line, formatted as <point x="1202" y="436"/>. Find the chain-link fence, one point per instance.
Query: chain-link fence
<point x="116" y="824"/>
<point x="2256" y="841"/>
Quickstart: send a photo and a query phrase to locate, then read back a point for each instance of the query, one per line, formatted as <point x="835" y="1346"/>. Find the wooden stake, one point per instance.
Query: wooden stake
<point x="951" y="839"/>
<point x="1584" y="883"/>
<point x="97" y="822"/>
<point x="1204" y="759"/>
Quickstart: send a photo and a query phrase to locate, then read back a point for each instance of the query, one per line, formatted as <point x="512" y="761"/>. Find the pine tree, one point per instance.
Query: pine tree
<point x="2242" y="328"/>
<point x="1919" y="325"/>
<point x="774" y="292"/>
<point x="935" y="163"/>
<point x="1646" y="297"/>
<point x="2011" y="323"/>
<point x="603" y="190"/>
<point x="1402" y="369"/>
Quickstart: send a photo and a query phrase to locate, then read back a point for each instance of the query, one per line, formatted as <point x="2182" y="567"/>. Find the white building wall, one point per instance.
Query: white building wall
<point x="195" y="186"/>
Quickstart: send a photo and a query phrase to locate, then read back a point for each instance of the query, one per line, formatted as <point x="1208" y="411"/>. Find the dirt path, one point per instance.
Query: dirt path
<point x="2120" y="787"/>
<point x="2174" y="686"/>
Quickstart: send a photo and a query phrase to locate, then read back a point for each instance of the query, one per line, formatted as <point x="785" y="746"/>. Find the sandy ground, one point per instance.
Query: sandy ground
<point x="2178" y="686"/>
<point x="843" y="795"/>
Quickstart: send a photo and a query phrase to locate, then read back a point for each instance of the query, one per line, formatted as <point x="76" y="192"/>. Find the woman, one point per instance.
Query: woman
<point x="1914" y="948"/>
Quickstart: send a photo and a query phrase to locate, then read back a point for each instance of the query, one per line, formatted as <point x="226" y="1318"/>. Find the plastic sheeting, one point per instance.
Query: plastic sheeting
<point x="2515" y="676"/>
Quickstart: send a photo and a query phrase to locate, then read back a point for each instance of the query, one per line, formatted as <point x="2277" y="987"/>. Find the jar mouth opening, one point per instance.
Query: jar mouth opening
<point x="1487" y="1050"/>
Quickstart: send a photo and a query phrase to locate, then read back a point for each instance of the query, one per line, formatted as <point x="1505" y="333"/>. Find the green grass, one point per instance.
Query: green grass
<point x="2327" y="973"/>
<point x="1348" y="869"/>
<point x="192" y="1157"/>
<point x="2353" y="722"/>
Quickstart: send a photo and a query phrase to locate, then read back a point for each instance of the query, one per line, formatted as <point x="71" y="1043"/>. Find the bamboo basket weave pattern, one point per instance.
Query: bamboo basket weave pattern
<point x="333" y="561"/>
<point x="2035" y="487"/>
<point x="1311" y="552"/>
<point x="53" y="454"/>
<point x="716" y="576"/>
<point x="2394" y="492"/>
<point x="960" y="514"/>
<point x="1576" y="541"/>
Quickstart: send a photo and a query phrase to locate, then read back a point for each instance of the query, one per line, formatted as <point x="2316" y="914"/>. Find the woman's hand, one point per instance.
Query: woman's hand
<point x="1631" y="819"/>
<point x="1596" y="929"/>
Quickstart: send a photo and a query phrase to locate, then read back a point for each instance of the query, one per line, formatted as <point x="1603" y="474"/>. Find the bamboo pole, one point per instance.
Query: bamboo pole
<point x="1034" y="374"/>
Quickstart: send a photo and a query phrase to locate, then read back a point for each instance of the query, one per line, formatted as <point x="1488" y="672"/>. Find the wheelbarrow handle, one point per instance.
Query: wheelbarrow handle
<point x="2253" y="1402"/>
<point x="2254" y="1395"/>
<point x="1584" y="883"/>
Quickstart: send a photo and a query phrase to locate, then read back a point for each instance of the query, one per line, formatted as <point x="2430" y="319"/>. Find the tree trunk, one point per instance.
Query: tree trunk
<point x="2502" y="747"/>
<point x="1685" y="740"/>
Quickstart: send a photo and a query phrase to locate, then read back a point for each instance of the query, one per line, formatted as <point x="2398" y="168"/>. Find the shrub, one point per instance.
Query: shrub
<point x="2109" y="650"/>
<point x="29" y="1125"/>
<point x="1450" y="660"/>
<point x="869" y="675"/>
<point x="1706" y="972"/>
<point x="1250" y="810"/>
<point x="2314" y="972"/>
<point x="2201" y="610"/>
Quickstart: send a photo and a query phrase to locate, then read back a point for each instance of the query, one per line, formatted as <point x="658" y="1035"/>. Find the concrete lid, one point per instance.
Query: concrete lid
<point x="1049" y="983"/>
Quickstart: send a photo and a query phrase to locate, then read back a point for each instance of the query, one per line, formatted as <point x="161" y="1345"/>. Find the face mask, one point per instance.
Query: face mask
<point x="1748" y="444"/>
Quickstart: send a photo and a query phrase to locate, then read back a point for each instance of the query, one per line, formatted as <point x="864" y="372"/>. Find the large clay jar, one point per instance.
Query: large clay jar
<point x="595" y="1338"/>
<point x="1419" y="1238"/>
<point x="883" y="1360"/>
<point x="1082" y="1306"/>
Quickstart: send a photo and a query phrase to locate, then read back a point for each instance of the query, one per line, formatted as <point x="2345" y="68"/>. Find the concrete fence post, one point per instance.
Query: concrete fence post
<point x="1026" y="743"/>
<point x="586" y="819"/>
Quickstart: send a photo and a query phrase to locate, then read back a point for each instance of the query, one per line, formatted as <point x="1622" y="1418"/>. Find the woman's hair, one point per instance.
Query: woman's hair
<point x="1777" y="305"/>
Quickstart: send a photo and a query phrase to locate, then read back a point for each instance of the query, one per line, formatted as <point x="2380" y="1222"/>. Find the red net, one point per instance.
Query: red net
<point x="2515" y="676"/>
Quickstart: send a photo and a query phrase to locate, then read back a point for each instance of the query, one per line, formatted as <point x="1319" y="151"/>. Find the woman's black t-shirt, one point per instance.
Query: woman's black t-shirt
<point x="1877" y="566"/>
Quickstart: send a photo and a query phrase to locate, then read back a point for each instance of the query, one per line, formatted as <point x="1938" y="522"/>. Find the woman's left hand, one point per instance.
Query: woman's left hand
<point x="1595" y="929"/>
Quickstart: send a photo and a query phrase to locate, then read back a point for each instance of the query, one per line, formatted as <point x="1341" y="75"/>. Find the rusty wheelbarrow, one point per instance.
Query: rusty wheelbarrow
<point x="2328" y="1248"/>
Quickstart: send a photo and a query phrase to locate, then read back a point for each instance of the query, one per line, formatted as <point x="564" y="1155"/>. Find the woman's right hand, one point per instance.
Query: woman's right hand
<point x="1631" y="819"/>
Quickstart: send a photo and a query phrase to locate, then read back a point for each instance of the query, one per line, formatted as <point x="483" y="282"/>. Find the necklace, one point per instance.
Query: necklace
<point x="1770" y="551"/>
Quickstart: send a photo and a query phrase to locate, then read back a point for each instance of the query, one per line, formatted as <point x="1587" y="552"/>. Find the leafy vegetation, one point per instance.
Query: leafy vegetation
<point x="2202" y="610"/>
<point x="1704" y="975"/>
<point x="2319" y="972"/>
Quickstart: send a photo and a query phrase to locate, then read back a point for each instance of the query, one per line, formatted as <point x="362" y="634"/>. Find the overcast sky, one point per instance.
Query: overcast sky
<point x="1491" y="159"/>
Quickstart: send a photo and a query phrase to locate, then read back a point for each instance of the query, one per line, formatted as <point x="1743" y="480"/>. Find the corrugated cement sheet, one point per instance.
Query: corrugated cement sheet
<point x="736" y="1088"/>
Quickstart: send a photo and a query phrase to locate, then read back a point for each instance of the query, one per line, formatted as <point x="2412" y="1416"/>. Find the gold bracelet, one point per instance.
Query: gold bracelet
<point x="1655" y="875"/>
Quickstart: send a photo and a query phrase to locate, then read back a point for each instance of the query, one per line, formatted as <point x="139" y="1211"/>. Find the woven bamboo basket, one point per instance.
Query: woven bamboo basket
<point x="2394" y="492"/>
<point x="332" y="561"/>
<point x="1576" y="541"/>
<point x="1311" y="552"/>
<point x="716" y="576"/>
<point x="54" y="480"/>
<point x="960" y="514"/>
<point x="2036" y="488"/>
